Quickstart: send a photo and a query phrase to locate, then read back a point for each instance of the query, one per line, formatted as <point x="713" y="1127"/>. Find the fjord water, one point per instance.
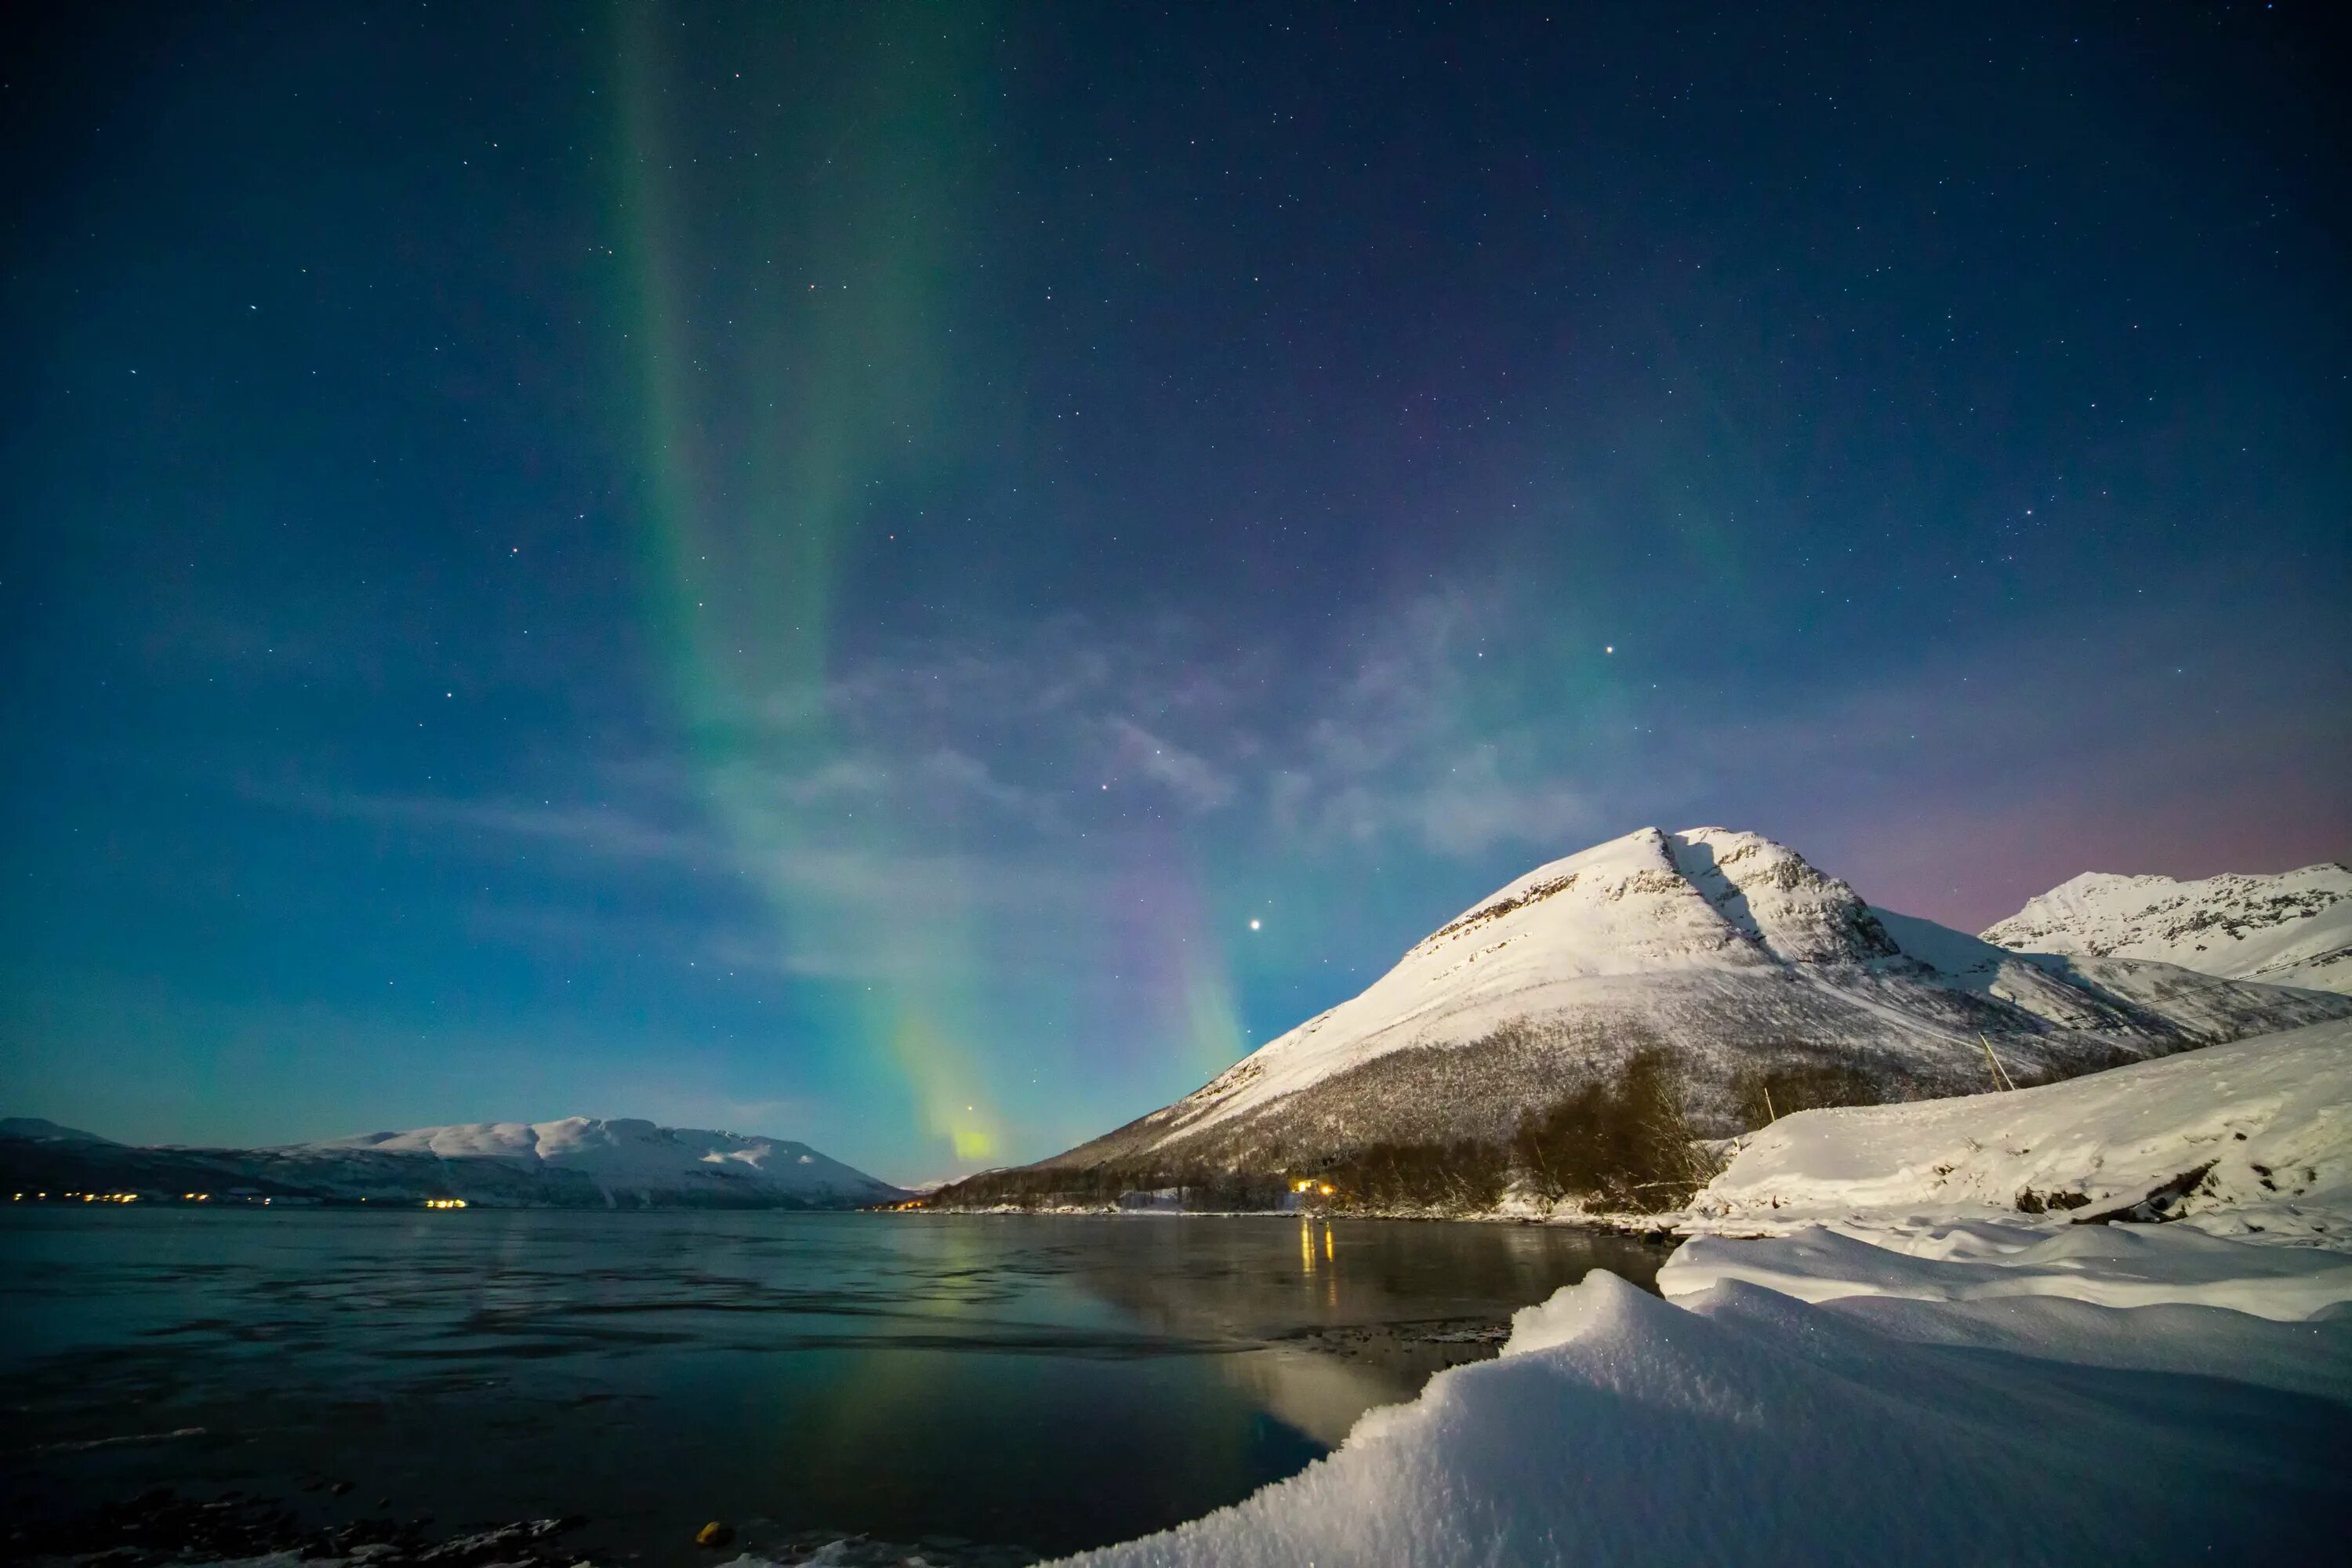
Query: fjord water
<point x="1053" y="1382"/>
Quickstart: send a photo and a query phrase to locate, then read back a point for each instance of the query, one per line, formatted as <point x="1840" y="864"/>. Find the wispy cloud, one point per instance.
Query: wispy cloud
<point x="944" y="807"/>
<point x="604" y="830"/>
<point x="1195" y="782"/>
<point x="1063" y="731"/>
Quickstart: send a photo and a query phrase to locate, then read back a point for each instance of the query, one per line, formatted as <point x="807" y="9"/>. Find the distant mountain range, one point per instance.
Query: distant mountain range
<point x="1719" y="964"/>
<point x="578" y="1163"/>
<point x="2293" y="928"/>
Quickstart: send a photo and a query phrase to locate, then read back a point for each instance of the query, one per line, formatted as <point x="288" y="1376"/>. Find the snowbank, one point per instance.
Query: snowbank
<point x="1743" y="1425"/>
<point x="2253" y="1137"/>
<point x="2108" y="1265"/>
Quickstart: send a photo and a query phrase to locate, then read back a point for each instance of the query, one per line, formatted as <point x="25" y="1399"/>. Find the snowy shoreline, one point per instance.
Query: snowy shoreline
<point x="1910" y="1368"/>
<point x="1734" y="1422"/>
<point x="2107" y="1320"/>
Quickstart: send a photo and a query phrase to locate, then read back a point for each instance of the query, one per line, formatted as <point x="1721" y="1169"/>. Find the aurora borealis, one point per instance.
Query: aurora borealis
<point x="917" y="577"/>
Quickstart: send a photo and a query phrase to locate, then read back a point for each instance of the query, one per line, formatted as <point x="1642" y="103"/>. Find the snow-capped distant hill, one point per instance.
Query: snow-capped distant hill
<point x="41" y="1130"/>
<point x="2293" y="928"/>
<point x="622" y="1159"/>
<point x="1725" y="953"/>
<point x="580" y="1162"/>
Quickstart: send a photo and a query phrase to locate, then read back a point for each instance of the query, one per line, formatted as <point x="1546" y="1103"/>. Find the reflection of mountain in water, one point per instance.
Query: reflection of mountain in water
<point x="1359" y="1313"/>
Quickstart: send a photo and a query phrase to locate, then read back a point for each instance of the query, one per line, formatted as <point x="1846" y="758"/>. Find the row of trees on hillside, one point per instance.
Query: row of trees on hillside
<point x="1621" y="1143"/>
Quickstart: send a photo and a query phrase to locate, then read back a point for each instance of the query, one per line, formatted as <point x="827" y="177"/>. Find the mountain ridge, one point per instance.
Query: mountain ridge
<point x="572" y="1161"/>
<point x="2289" y="928"/>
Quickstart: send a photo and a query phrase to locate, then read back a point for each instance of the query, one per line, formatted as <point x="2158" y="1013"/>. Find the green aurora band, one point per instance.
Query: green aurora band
<point x="792" y="258"/>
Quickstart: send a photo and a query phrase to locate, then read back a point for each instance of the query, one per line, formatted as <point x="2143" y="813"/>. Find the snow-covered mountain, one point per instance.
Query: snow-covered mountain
<point x="1724" y="954"/>
<point x="2293" y="928"/>
<point x="579" y="1162"/>
<point x="41" y="1130"/>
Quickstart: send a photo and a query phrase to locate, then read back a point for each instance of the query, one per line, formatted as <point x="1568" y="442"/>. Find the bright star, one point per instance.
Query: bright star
<point x="1253" y="925"/>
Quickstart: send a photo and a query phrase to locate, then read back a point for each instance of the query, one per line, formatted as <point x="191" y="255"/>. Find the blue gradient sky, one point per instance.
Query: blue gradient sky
<point x="812" y="573"/>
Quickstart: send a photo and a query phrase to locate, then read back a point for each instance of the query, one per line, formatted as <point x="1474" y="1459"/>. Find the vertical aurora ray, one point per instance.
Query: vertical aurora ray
<point x="1181" y="974"/>
<point x="795" y="230"/>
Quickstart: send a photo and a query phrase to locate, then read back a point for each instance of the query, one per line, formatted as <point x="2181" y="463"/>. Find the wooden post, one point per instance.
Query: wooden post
<point x="2000" y="1079"/>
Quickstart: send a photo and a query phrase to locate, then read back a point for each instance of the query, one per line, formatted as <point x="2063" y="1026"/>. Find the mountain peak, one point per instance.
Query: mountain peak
<point x="1776" y="898"/>
<point x="2294" y="928"/>
<point x="1654" y="899"/>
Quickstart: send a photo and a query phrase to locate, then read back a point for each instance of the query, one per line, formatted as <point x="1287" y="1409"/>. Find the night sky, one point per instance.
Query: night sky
<point x="920" y="578"/>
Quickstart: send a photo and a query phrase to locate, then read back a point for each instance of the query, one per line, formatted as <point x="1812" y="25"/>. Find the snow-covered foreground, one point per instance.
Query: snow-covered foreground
<point x="2105" y="1265"/>
<point x="1901" y="1423"/>
<point x="2253" y="1137"/>
<point x="1958" y="1388"/>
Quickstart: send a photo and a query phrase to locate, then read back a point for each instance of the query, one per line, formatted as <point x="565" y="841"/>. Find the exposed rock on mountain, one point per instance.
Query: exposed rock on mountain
<point x="2293" y="928"/>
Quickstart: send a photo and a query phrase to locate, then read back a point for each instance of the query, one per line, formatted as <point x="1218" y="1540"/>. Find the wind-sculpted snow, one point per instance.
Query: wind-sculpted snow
<point x="2106" y="1264"/>
<point x="2293" y="928"/>
<point x="1742" y="1425"/>
<point x="1724" y="951"/>
<point x="2250" y="1138"/>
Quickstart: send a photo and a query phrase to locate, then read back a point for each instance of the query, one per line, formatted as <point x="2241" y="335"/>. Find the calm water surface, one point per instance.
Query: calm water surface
<point x="1054" y="1382"/>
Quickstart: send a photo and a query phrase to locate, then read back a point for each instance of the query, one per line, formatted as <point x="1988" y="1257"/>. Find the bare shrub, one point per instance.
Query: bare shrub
<point x="1763" y="1094"/>
<point x="1467" y="1175"/>
<point x="1624" y="1142"/>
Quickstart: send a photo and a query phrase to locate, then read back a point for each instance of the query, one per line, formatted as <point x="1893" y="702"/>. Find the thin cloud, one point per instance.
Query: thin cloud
<point x="1196" y="783"/>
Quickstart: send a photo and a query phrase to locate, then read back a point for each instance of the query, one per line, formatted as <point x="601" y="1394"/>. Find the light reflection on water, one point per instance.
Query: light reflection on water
<point x="1052" y="1382"/>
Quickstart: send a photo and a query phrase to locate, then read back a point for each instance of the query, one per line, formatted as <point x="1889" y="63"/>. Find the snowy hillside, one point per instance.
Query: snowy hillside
<point x="1724" y="951"/>
<point x="579" y="1162"/>
<point x="2293" y="928"/>
<point x="2254" y="1138"/>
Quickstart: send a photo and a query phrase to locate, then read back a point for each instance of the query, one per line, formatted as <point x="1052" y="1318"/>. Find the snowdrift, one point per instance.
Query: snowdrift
<point x="1744" y="1425"/>
<point x="2253" y="1137"/>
